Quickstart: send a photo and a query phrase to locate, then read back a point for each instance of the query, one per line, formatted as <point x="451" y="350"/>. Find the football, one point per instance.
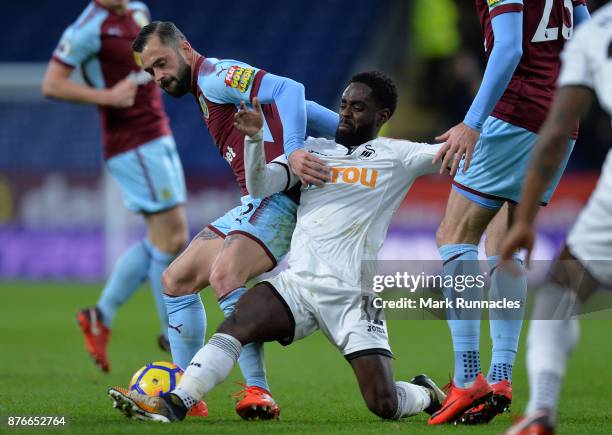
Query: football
<point x="156" y="379"/>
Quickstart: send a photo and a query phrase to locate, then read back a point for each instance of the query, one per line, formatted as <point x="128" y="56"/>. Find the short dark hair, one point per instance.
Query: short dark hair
<point x="383" y="88"/>
<point x="166" y="31"/>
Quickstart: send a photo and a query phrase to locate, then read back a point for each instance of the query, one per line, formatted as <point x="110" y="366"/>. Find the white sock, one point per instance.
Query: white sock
<point x="549" y="345"/>
<point x="411" y="399"/>
<point x="209" y="367"/>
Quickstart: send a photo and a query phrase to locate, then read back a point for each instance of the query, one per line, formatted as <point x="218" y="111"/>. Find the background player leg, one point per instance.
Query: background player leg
<point x="241" y="259"/>
<point x="505" y="325"/>
<point x="259" y="316"/>
<point x="458" y="236"/>
<point x="383" y="396"/>
<point x="182" y="281"/>
<point x="553" y="334"/>
<point x="128" y="274"/>
<point x="167" y="234"/>
<point x="510" y="283"/>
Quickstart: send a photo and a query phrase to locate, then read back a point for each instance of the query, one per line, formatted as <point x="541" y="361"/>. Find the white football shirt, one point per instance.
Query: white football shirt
<point x="346" y="220"/>
<point x="587" y="57"/>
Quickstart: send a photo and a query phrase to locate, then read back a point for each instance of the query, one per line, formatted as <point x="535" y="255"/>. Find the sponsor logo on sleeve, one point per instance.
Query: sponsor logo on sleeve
<point x="240" y="78"/>
<point x="493" y="3"/>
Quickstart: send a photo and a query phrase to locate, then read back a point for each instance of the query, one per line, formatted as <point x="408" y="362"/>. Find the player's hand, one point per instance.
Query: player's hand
<point x="309" y="169"/>
<point x="123" y="94"/>
<point x="249" y="121"/>
<point x="520" y="236"/>
<point x="458" y="141"/>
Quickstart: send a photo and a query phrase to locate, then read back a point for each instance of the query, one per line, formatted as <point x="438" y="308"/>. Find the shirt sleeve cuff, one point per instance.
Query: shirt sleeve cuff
<point x="291" y="147"/>
<point x="472" y="123"/>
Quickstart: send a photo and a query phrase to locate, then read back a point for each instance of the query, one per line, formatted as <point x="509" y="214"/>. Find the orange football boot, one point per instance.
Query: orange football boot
<point x="500" y="402"/>
<point x="461" y="399"/>
<point x="96" y="336"/>
<point x="256" y="403"/>
<point x="536" y="423"/>
<point x="198" y="410"/>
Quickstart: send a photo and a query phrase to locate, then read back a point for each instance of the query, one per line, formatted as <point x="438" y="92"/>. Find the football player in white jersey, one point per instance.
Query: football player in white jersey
<point x="585" y="262"/>
<point x="339" y="226"/>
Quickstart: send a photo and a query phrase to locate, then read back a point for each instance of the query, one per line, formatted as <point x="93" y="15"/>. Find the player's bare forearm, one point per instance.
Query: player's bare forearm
<point x="57" y="84"/>
<point x="68" y="90"/>
<point x="552" y="147"/>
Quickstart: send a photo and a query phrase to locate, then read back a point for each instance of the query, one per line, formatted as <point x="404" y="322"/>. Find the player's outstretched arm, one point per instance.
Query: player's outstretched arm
<point x="460" y="140"/>
<point x="288" y="95"/>
<point x="550" y="150"/>
<point x="57" y="84"/>
<point x="320" y="121"/>
<point x="261" y="179"/>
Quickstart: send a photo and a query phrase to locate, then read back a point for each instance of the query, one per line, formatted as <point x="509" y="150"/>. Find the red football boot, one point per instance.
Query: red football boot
<point x="198" y="410"/>
<point x="460" y="400"/>
<point x="256" y="403"/>
<point x="500" y="402"/>
<point x="536" y="423"/>
<point x="96" y="336"/>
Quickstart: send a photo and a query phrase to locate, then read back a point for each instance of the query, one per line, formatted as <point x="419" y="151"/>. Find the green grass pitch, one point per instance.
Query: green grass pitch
<point x="45" y="371"/>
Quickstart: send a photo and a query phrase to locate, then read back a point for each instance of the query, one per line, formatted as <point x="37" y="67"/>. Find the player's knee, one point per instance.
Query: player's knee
<point x="442" y="235"/>
<point x="174" y="284"/>
<point x="223" y="280"/>
<point x="383" y="405"/>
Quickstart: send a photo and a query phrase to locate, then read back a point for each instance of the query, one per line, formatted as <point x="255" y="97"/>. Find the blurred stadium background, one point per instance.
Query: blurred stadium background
<point x="61" y="218"/>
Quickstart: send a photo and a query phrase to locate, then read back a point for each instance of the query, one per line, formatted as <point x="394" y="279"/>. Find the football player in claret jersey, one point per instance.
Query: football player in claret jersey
<point x="339" y="225"/>
<point x="585" y="263"/>
<point x="249" y="239"/>
<point x="139" y="152"/>
<point x="488" y="154"/>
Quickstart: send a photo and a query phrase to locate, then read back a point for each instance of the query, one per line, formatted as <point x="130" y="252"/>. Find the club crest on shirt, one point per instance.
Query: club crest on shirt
<point x="137" y="59"/>
<point x="368" y="153"/>
<point x="239" y="77"/>
<point x="203" y="106"/>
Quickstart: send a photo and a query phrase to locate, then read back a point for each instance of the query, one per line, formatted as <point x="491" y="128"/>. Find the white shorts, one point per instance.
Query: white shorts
<point x="338" y="311"/>
<point x="590" y="239"/>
